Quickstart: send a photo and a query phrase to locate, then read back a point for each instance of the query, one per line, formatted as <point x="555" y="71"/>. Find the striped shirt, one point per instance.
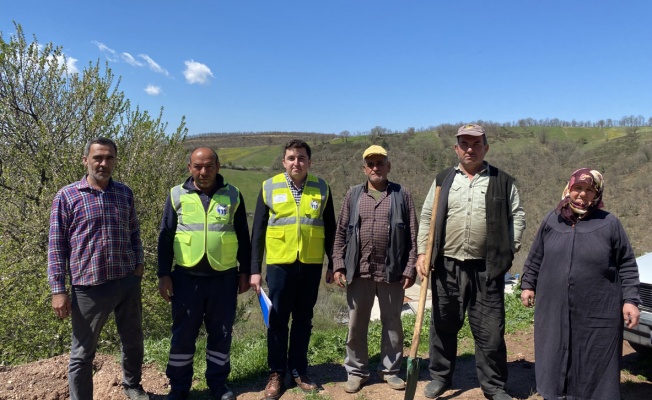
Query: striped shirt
<point x="94" y="235"/>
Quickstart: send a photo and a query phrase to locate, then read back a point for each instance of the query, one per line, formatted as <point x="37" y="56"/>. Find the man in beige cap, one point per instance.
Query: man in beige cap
<point x="478" y="228"/>
<point x="374" y="255"/>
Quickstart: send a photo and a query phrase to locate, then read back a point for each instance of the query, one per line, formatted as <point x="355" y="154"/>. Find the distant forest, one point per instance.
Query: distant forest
<point x="629" y="121"/>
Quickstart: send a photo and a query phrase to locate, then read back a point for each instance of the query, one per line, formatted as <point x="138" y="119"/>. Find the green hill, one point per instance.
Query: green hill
<point x="540" y="158"/>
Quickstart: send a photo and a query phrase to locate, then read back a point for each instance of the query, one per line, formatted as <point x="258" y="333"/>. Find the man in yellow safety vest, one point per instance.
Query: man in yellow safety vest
<point x="204" y="232"/>
<point x="294" y="225"/>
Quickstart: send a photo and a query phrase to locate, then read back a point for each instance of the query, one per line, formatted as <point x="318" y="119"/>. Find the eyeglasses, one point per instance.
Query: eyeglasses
<point x="372" y="164"/>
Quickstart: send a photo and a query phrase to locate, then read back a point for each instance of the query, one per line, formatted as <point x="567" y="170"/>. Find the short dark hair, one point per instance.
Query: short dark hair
<point x="484" y="139"/>
<point x="297" y="144"/>
<point x="102" y="141"/>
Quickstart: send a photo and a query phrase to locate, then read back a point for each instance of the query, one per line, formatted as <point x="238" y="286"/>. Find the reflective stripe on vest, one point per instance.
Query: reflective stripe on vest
<point x="295" y="232"/>
<point x="200" y="232"/>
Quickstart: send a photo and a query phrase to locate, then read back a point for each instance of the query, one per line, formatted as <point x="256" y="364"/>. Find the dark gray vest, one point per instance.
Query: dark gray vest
<point x="400" y="244"/>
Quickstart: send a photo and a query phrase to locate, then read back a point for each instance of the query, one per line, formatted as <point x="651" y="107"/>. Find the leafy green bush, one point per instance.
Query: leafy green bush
<point x="46" y="117"/>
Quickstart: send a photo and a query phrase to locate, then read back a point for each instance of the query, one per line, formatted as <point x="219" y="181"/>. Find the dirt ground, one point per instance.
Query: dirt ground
<point x="47" y="379"/>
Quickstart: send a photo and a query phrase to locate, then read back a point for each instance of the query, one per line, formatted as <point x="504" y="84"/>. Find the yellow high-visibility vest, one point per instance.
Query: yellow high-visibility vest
<point x="202" y="232"/>
<point x="295" y="232"/>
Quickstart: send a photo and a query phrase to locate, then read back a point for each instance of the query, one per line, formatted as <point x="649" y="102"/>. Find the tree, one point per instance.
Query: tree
<point x="543" y="136"/>
<point x="345" y="134"/>
<point x="409" y="133"/>
<point x="47" y="113"/>
<point x="378" y="132"/>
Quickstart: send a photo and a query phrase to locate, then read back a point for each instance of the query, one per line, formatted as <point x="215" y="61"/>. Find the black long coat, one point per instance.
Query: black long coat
<point x="581" y="274"/>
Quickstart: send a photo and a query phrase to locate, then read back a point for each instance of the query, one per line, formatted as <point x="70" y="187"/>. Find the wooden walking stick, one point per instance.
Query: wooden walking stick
<point x="413" y="360"/>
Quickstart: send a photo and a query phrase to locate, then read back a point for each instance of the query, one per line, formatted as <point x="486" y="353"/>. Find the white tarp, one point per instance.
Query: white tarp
<point x="645" y="268"/>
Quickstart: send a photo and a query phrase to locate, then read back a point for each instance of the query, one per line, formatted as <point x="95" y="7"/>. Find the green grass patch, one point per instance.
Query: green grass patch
<point x="317" y="396"/>
<point x="517" y="317"/>
<point x="327" y="347"/>
<point x="249" y="182"/>
<point x="251" y="156"/>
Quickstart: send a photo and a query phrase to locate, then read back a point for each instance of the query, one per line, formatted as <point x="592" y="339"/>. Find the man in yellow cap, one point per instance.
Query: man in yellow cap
<point x="374" y="255"/>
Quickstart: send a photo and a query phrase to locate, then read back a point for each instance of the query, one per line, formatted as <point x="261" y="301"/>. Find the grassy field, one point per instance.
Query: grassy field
<point x="249" y="183"/>
<point x="327" y="343"/>
<point x="249" y="157"/>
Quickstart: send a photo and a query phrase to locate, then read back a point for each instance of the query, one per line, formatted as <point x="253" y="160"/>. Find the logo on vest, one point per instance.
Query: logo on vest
<point x="221" y="210"/>
<point x="314" y="205"/>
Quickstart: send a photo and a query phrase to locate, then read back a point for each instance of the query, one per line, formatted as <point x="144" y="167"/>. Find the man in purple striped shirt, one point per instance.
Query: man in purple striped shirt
<point x="95" y="238"/>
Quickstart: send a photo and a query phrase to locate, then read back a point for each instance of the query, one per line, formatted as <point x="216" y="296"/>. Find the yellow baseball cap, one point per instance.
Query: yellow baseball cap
<point x="374" y="149"/>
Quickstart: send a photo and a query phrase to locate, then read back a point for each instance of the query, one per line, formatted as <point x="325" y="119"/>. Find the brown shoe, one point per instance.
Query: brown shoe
<point x="274" y="386"/>
<point x="304" y="383"/>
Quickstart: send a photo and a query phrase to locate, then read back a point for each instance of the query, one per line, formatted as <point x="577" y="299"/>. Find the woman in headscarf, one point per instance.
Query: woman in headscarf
<point x="583" y="274"/>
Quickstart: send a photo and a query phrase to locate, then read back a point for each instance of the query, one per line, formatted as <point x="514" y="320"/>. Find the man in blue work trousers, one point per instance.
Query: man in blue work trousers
<point x="204" y="229"/>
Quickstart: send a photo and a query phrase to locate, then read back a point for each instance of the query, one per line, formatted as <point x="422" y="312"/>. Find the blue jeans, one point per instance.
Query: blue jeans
<point x="210" y="300"/>
<point x="91" y="308"/>
<point x="293" y="291"/>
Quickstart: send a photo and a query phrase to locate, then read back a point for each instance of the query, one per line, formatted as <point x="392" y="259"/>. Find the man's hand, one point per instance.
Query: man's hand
<point x="631" y="315"/>
<point x="254" y="281"/>
<point x="61" y="305"/>
<point x="139" y="271"/>
<point x="165" y="288"/>
<point x="527" y="298"/>
<point x="340" y="278"/>
<point x="422" y="269"/>
<point x="329" y="276"/>
<point x="243" y="283"/>
<point x="407" y="282"/>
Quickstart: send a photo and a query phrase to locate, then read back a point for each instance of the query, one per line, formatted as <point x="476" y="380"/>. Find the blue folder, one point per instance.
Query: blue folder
<point x="265" y="306"/>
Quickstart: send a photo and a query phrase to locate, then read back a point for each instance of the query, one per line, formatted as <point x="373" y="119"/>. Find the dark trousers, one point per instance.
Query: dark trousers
<point x="210" y="300"/>
<point x="91" y="308"/>
<point x="458" y="287"/>
<point x="293" y="291"/>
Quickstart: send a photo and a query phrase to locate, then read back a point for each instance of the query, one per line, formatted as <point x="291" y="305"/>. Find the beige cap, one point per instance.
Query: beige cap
<point x="471" y="130"/>
<point x="374" y="149"/>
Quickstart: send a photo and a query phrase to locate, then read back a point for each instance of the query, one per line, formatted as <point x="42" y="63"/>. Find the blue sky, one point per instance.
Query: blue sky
<point x="334" y="65"/>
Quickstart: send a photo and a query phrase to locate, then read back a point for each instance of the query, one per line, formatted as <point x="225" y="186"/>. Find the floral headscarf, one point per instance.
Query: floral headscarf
<point x="572" y="211"/>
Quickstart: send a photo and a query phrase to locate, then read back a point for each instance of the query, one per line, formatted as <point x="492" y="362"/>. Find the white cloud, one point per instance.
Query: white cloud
<point x="197" y="73"/>
<point x="70" y="63"/>
<point x="110" y="53"/>
<point x="153" y="90"/>
<point x="129" y="59"/>
<point x="52" y="59"/>
<point x="153" y="65"/>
